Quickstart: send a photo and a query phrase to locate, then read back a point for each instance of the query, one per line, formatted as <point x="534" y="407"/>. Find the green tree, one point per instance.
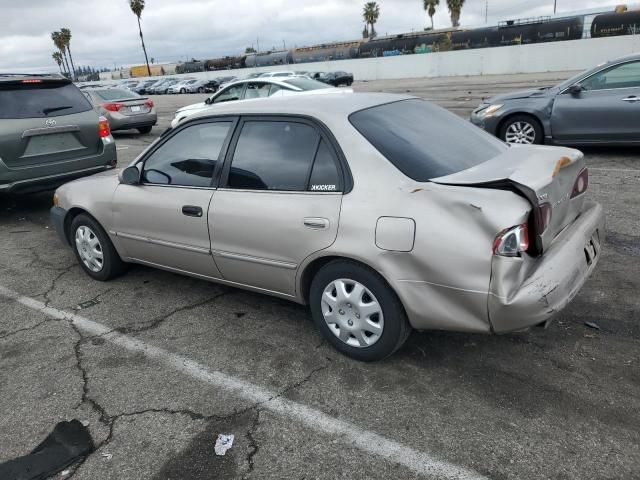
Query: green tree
<point x="57" y="57"/>
<point x="371" y="13"/>
<point x="455" y="7"/>
<point x="66" y="38"/>
<point x="137" y="6"/>
<point x="58" y="41"/>
<point x="430" y="7"/>
<point x="250" y="50"/>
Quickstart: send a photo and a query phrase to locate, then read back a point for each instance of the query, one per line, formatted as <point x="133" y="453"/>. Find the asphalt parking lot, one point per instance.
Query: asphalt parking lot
<point x="159" y="364"/>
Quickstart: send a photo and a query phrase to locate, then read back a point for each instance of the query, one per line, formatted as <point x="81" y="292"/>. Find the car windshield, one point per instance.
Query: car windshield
<point x="423" y="140"/>
<point x="116" y="94"/>
<point x="305" y="83"/>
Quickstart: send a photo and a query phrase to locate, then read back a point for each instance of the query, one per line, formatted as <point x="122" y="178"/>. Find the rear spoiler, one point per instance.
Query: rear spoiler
<point x="13" y="80"/>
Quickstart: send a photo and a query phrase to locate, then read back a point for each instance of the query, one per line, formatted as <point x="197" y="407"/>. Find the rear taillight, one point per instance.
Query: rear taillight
<point x="511" y="242"/>
<point x="544" y="217"/>
<point x="103" y="128"/>
<point x="581" y="184"/>
<point x="149" y="103"/>
<point x="112" y="107"/>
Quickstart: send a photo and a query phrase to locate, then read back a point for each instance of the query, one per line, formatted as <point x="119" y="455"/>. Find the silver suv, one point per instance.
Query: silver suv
<point x="49" y="133"/>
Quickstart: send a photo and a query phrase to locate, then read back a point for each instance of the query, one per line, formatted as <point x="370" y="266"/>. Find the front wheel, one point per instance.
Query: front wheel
<point x="145" y="130"/>
<point x="183" y="90"/>
<point x="200" y="89"/>
<point x="521" y="129"/>
<point x="357" y="312"/>
<point x="93" y="249"/>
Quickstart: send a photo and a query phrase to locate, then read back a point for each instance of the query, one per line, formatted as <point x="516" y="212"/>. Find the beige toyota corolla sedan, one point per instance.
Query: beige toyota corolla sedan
<point x="381" y="212"/>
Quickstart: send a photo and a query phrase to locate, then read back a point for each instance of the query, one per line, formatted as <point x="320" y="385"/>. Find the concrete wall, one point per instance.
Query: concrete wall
<point x="535" y="58"/>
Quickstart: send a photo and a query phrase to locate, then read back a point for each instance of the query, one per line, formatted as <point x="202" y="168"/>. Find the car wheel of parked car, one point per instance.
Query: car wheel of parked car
<point x="94" y="251"/>
<point x="145" y="130"/>
<point x="523" y="129"/>
<point x="357" y="312"/>
<point x="200" y="89"/>
<point x="183" y="90"/>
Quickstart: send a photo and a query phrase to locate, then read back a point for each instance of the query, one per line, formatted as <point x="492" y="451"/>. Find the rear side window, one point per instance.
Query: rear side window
<point x="273" y="155"/>
<point x="41" y="100"/>
<point x="425" y="141"/>
<point x="324" y="176"/>
<point x="305" y="83"/>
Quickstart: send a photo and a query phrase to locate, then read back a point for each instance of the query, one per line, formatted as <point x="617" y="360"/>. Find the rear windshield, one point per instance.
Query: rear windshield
<point x="40" y="100"/>
<point x="425" y="141"/>
<point x="116" y="94"/>
<point x="306" y="83"/>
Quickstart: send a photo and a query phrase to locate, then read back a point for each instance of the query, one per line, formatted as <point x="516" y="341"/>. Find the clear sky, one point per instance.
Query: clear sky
<point x="105" y="33"/>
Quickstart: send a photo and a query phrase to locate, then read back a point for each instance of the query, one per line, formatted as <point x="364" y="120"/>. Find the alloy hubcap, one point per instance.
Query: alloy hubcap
<point x="352" y="313"/>
<point x="520" y="132"/>
<point x="89" y="249"/>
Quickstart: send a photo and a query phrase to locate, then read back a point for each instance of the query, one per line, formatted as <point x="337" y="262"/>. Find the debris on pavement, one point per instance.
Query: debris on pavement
<point x="223" y="443"/>
<point x="106" y="455"/>
<point x="595" y="326"/>
<point x="66" y="444"/>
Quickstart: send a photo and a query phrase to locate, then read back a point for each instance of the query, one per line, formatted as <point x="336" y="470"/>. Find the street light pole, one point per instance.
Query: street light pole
<point x="555" y="4"/>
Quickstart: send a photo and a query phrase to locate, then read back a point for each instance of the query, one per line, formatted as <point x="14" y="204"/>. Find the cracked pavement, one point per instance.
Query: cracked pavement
<point x="558" y="403"/>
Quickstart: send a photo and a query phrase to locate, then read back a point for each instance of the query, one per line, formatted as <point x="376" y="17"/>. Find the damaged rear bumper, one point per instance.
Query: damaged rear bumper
<point x="528" y="291"/>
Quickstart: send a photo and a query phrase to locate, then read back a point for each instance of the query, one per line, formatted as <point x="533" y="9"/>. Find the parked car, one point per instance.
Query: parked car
<point x="251" y="89"/>
<point x="224" y="81"/>
<point x="49" y="133"/>
<point x="204" y="86"/>
<point x="162" y="87"/>
<point x="335" y="78"/>
<point x="381" y="212"/>
<point x="141" y="87"/>
<point x="598" y="106"/>
<point x="123" y="108"/>
<point x="181" y="86"/>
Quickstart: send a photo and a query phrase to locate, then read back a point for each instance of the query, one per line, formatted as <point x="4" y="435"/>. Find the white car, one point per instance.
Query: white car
<point x="182" y="87"/>
<point x="255" y="88"/>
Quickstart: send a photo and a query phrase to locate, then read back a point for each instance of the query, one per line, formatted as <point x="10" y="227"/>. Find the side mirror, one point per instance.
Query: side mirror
<point x="575" y="89"/>
<point x="208" y="101"/>
<point x="130" y="176"/>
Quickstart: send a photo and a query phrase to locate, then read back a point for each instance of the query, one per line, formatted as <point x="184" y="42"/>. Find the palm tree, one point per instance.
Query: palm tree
<point x="66" y="37"/>
<point x="371" y="13"/>
<point x="455" y="7"/>
<point x="58" y="41"/>
<point x="430" y="7"/>
<point x="137" y="6"/>
<point x="57" y="57"/>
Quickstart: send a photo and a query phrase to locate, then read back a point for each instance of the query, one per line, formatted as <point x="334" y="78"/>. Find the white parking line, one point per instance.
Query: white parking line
<point x="372" y="443"/>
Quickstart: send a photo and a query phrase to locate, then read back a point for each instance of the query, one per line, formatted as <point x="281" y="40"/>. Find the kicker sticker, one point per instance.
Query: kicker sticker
<point x="323" y="188"/>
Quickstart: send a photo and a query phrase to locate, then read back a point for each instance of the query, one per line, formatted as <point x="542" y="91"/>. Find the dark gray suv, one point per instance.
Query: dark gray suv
<point x="49" y="134"/>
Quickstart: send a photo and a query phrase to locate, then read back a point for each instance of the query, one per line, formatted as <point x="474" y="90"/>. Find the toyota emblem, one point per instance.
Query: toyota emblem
<point x="50" y="123"/>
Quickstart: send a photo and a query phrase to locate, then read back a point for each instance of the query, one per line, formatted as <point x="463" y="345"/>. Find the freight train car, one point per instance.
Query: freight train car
<point x="327" y="52"/>
<point x="266" y="59"/>
<point x="613" y="24"/>
<point x="190" y="67"/>
<point x="141" y="71"/>
<point x="225" y="63"/>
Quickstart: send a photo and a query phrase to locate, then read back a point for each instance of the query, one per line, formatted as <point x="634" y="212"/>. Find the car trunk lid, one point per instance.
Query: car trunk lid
<point x="546" y="176"/>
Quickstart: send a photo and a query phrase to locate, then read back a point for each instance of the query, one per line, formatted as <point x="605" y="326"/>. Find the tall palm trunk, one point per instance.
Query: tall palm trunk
<point x="73" y="68"/>
<point x="66" y="61"/>
<point x="144" y="49"/>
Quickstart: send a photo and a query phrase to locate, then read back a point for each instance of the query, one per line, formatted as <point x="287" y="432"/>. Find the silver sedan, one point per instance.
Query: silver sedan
<point x="381" y="212"/>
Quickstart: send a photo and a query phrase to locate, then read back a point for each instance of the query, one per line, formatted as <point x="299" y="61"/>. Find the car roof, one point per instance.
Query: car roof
<point x="324" y="106"/>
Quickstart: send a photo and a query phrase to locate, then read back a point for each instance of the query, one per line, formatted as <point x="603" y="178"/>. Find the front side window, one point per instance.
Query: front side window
<point x="189" y="157"/>
<point x="620" y="76"/>
<point x="273" y="155"/>
<point x="229" y="94"/>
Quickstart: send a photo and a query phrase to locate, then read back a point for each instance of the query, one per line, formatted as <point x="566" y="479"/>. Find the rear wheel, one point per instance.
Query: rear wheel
<point x="357" y="312"/>
<point x="183" y="90"/>
<point x="521" y="129"/>
<point x="94" y="250"/>
<point x="200" y="89"/>
<point x="145" y="130"/>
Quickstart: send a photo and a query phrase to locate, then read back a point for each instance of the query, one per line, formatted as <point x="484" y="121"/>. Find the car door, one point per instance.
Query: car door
<point x="606" y="110"/>
<point x="279" y="202"/>
<point x="163" y="220"/>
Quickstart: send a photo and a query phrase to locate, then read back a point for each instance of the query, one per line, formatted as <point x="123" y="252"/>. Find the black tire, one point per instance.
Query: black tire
<point x="396" y="328"/>
<point x="113" y="265"/>
<point x="145" y="130"/>
<point x="200" y="89"/>
<point x="522" y="119"/>
<point x="183" y="90"/>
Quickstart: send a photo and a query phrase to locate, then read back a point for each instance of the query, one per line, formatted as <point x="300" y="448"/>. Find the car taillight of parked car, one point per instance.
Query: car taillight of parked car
<point x="511" y="242"/>
<point x="581" y="184"/>
<point x="149" y="103"/>
<point x="113" y="107"/>
<point x="103" y="128"/>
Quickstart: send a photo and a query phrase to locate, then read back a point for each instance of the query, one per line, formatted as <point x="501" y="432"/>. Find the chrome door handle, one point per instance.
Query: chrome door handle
<point x="316" y="223"/>
<point x="631" y="99"/>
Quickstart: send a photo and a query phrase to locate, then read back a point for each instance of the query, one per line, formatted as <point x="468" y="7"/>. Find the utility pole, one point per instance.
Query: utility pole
<point x="258" y="44"/>
<point x="555" y="4"/>
<point x="486" y="12"/>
